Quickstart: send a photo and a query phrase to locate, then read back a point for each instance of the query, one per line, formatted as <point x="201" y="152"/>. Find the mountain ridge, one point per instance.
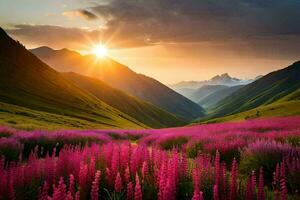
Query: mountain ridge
<point x="263" y="91"/>
<point x="136" y="108"/>
<point x="222" y="79"/>
<point x="204" y="91"/>
<point x="213" y="98"/>
<point x="123" y="78"/>
<point x="27" y="81"/>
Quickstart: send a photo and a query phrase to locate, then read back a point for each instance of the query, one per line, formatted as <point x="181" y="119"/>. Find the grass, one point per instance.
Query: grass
<point x="28" y="119"/>
<point x="28" y="82"/>
<point x="266" y="90"/>
<point x="276" y="109"/>
<point x="138" y="109"/>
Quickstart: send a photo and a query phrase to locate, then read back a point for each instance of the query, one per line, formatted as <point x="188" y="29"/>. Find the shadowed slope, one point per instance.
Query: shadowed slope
<point x="212" y="99"/>
<point x="206" y="90"/>
<point x="121" y="77"/>
<point x="138" y="109"/>
<point x="27" y="81"/>
<point x="263" y="91"/>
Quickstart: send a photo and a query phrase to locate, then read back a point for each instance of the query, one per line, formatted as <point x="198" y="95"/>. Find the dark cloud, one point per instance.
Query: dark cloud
<point x="159" y="21"/>
<point x="54" y="36"/>
<point x="64" y="37"/>
<point x="87" y="14"/>
<point x="256" y="26"/>
<point x="81" y="13"/>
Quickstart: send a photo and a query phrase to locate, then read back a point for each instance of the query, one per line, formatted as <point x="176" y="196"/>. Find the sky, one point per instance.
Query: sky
<point x="170" y="40"/>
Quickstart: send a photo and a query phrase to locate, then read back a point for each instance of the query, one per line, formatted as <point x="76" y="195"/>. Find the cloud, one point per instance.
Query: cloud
<point x="175" y="21"/>
<point x="54" y="36"/>
<point x="80" y="13"/>
<point x="254" y="27"/>
<point x="65" y="37"/>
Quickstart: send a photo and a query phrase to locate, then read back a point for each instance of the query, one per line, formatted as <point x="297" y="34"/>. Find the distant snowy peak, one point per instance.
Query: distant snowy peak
<point x="223" y="79"/>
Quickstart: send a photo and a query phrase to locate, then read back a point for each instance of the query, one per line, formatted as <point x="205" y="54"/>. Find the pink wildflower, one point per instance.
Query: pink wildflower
<point x="138" y="190"/>
<point x="261" y="191"/>
<point x="233" y="185"/>
<point x="118" y="183"/>
<point x="129" y="191"/>
<point x="95" y="186"/>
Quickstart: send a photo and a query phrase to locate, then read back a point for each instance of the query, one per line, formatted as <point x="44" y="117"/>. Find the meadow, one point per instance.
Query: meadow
<point x="254" y="159"/>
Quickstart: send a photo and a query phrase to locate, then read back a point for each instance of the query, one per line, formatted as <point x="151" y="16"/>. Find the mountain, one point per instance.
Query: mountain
<point x="263" y="91"/>
<point x="27" y="82"/>
<point x="187" y="92"/>
<point x="223" y="79"/>
<point x="187" y="85"/>
<point x="121" y="77"/>
<point x="142" y="111"/>
<point x="204" y="91"/>
<point x="294" y="96"/>
<point x="212" y="99"/>
<point x="287" y="106"/>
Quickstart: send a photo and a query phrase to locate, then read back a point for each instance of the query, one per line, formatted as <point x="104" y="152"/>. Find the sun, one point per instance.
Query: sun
<point x="100" y="50"/>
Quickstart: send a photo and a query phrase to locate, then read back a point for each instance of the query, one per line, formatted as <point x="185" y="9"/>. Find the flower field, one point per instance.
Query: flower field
<point x="256" y="159"/>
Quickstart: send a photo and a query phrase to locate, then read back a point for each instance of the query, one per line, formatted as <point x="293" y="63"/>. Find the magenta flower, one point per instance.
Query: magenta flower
<point x="217" y="169"/>
<point x="196" y="196"/>
<point x="137" y="190"/>
<point x="77" y="196"/>
<point x="109" y="177"/>
<point x="127" y="175"/>
<point x="129" y="191"/>
<point x="283" y="188"/>
<point x="95" y="186"/>
<point x="145" y="170"/>
<point x="261" y="189"/>
<point x="184" y="166"/>
<point x="72" y="185"/>
<point x="140" y="167"/>
<point x="233" y="184"/>
<point x="118" y="183"/>
<point x="83" y="173"/>
<point x="69" y="196"/>
<point x="60" y="192"/>
<point x="249" y="189"/>
<point x="216" y="192"/>
<point x="44" y="192"/>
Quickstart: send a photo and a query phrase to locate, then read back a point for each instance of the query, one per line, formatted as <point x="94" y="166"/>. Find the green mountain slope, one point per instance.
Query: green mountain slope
<point x="291" y="97"/>
<point x="121" y="77"/>
<point x="25" y="118"/>
<point x="26" y="81"/>
<point x="209" y="101"/>
<point x="277" y="109"/>
<point x="138" y="109"/>
<point x="206" y="90"/>
<point x="263" y="91"/>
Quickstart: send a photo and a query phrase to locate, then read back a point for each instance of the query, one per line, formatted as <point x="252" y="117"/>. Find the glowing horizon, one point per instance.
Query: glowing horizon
<point x="100" y="51"/>
<point x="192" y="40"/>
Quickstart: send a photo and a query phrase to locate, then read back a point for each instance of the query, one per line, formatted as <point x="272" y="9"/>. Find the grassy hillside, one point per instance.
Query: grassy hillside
<point x="204" y="91"/>
<point x="26" y="81"/>
<point x="277" y="109"/>
<point x="121" y="77"/>
<point x="291" y="97"/>
<point x="209" y="101"/>
<point x="138" y="109"/>
<point x="263" y="91"/>
<point x="24" y="118"/>
<point x="286" y="106"/>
